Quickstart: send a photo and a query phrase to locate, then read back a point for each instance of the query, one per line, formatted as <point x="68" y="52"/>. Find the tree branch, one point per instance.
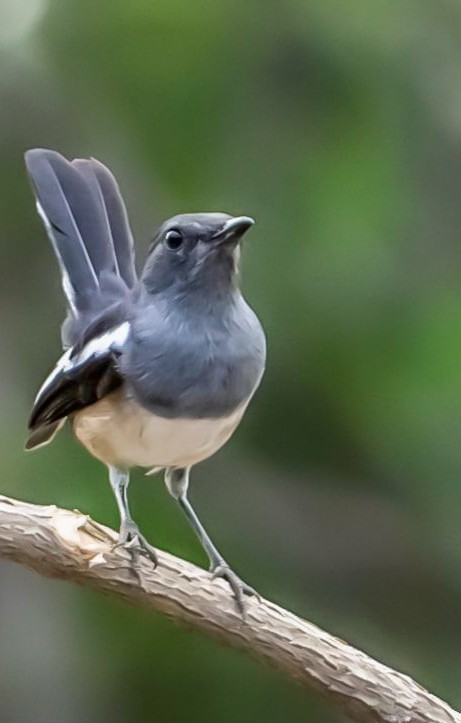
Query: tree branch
<point x="70" y="546"/>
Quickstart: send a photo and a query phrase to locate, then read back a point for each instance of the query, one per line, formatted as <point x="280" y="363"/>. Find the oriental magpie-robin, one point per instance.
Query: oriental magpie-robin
<point x="158" y="369"/>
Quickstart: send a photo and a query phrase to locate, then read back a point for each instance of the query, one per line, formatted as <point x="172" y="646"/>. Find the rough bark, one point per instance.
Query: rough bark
<point x="70" y="546"/>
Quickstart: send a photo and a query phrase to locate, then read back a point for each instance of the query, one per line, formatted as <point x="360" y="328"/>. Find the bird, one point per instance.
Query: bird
<point x="158" y="368"/>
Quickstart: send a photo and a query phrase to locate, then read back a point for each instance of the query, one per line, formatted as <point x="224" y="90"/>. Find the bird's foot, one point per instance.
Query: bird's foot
<point x="131" y="539"/>
<point x="238" y="586"/>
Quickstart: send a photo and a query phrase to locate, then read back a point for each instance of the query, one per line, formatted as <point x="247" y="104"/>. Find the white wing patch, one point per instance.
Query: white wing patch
<point x="112" y="340"/>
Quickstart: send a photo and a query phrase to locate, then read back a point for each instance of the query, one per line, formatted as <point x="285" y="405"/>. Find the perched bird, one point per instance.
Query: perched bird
<point x="158" y="369"/>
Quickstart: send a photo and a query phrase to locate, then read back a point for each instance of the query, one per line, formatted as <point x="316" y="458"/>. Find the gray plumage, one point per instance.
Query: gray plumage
<point x="192" y="355"/>
<point x="179" y="344"/>
<point x="86" y="221"/>
<point x="116" y="219"/>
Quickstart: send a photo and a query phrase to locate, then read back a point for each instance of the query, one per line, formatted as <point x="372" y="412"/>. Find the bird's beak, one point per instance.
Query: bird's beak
<point x="233" y="229"/>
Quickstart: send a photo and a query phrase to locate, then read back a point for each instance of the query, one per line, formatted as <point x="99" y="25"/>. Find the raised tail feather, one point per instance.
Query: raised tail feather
<point x="86" y="221"/>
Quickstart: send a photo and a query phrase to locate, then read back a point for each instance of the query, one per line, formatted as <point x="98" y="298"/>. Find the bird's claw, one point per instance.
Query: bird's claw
<point x="131" y="539"/>
<point x="238" y="586"/>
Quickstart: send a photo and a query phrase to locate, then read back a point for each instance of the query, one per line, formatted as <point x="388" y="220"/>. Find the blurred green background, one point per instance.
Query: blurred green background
<point x="338" y="126"/>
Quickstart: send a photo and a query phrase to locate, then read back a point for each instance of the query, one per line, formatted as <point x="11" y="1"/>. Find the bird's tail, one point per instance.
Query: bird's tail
<point x="85" y="218"/>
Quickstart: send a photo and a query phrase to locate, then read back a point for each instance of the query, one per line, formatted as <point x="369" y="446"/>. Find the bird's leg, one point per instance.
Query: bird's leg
<point x="177" y="482"/>
<point x="129" y="535"/>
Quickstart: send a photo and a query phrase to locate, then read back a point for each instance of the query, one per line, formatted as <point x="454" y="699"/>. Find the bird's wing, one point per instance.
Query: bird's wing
<point x="82" y="376"/>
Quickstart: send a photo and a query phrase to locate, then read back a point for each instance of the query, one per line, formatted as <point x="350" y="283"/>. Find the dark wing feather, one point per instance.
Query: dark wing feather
<point x="43" y="435"/>
<point x="80" y="378"/>
<point x="72" y="390"/>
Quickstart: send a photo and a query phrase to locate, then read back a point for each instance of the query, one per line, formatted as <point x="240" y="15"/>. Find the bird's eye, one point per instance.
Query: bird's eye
<point x="173" y="239"/>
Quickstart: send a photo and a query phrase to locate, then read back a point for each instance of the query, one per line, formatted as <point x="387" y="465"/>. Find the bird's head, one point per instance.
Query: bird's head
<point x="196" y="250"/>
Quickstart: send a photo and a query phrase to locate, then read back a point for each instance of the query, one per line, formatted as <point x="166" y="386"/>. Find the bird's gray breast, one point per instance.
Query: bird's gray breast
<point x="193" y="363"/>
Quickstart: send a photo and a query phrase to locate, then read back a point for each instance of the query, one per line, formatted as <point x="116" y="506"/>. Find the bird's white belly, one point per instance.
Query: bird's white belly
<point x="118" y="431"/>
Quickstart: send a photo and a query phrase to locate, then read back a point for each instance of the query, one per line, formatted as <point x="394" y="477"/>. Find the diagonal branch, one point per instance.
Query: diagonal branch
<point x="69" y="545"/>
